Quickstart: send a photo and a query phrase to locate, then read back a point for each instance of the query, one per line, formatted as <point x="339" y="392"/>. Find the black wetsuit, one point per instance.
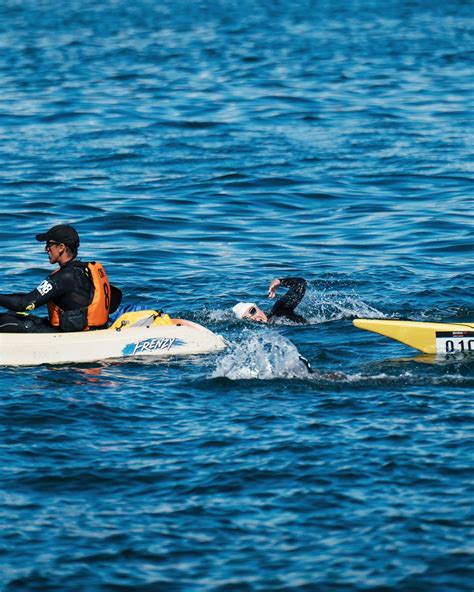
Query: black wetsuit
<point x="285" y="306"/>
<point x="71" y="288"/>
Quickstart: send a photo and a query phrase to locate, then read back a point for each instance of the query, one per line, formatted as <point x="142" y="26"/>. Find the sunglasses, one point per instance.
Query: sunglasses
<point x="50" y="244"/>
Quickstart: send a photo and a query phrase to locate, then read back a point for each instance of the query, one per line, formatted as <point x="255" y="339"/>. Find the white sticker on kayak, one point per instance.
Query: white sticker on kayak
<point x="449" y="342"/>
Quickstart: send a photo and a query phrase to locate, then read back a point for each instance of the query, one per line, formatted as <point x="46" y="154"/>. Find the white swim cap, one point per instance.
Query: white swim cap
<point x="242" y="308"/>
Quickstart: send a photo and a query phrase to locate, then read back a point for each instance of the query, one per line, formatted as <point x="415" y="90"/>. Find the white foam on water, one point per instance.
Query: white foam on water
<point x="261" y="356"/>
<point x="219" y="315"/>
<point x="320" y="307"/>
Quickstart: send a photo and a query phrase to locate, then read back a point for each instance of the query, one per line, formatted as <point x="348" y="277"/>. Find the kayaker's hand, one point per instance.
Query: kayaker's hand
<point x="273" y="287"/>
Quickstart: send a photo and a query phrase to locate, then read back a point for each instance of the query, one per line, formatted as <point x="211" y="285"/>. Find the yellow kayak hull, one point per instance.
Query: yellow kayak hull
<point x="430" y="338"/>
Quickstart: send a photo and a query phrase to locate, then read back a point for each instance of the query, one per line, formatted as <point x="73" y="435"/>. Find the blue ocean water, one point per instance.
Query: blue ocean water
<point x="202" y="149"/>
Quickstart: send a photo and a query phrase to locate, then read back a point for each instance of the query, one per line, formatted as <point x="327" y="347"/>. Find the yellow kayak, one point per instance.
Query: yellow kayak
<point x="430" y="338"/>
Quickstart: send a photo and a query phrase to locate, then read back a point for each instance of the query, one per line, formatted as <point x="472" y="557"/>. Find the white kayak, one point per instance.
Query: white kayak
<point x="131" y="336"/>
<point x="430" y="338"/>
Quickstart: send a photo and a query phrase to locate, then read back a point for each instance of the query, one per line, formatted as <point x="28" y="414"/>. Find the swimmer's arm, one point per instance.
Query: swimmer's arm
<point x="296" y="285"/>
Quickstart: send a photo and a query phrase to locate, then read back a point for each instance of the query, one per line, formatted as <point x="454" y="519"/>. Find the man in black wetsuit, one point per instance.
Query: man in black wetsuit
<point x="69" y="289"/>
<point x="284" y="307"/>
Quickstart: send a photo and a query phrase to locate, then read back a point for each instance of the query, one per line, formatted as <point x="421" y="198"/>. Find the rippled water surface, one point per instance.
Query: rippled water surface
<point x="202" y="149"/>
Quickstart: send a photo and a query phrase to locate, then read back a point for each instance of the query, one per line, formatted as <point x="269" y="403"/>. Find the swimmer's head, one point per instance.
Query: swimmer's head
<point x="250" y="311"/>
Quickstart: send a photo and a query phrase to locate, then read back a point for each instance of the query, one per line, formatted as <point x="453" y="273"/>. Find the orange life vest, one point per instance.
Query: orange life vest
<point x="98" y="309"/>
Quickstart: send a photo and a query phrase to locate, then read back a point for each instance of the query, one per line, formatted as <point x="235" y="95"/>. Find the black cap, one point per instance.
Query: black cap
<point x="62" y="233"/>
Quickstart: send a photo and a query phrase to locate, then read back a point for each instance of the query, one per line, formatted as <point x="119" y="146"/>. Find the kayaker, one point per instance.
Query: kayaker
<point x="78" y="294"/>
<point x="284" y="307"/>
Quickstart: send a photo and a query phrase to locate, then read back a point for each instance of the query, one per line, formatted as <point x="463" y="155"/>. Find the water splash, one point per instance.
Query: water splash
<point x="219" y="316"/>
<point x="261" y="356"/>
<point x="332" y="305"/>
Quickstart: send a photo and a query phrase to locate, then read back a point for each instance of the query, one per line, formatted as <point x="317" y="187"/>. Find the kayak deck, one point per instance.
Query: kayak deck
<point x="430" y="338"/>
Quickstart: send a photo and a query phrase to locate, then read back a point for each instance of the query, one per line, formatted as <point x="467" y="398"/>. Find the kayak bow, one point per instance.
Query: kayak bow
<point x="430" y="338"/>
